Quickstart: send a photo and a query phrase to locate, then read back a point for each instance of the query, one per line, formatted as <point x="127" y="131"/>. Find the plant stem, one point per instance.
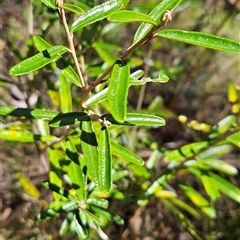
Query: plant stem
<point x="61" y="13"/>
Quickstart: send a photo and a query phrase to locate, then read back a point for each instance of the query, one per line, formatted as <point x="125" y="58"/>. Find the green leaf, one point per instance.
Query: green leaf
<point x="218" y="165"/>
<point x="76" y="173"/>
<point x="186" y="151"/>
<point x="223" y="126"/>
<point x="186" y="207"/>
<point x="226" y="187"/>
<point x="72" y="8"/>
<point x="118" y="90"/>
<point x="95" y="14"/>
<point x="102" y="203"/>
<point x="28" y="113"/>
<point x="199" y="200"/>
<point x="70" y="206"/>
<point x="234" y="139"/>
<point x="210" y="187"/>
<point x="92" y="217"/>
<point x="105" y="161"/>
<point x="215" y="152"/>
<point x="201" y="39"/>
<point x="64" y="227"/>
<point x="38" y="61"/>
<point x="98" y="97"/>
<point x="90" y="150"/>
<point x="66" y="68"/>
<point x="49" y="3"/>
<point x="144" y="120"/>
<point x="125" y="154"/>
<point x="81" y="231"/>
<point x="161" y="79"/>
<point x="130" y="16"/>
<point x="28" y="186"/>
<point x="69" y="119"/>
<point x="23" y="136"/>
<point x="104" y="51"/>
<point x="156" y="14"/>
<point x="65" y="94"/>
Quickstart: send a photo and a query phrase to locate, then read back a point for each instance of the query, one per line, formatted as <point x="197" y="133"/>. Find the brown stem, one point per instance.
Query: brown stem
<point x="71" y="46"/>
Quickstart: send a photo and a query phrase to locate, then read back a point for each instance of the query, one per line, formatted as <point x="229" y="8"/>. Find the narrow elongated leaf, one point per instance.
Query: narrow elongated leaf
<point x="49" y="3"/>
<point x="234" y="139"/>
<point x="144" y="120"/>
<point x="65" y="95"/>
<point x="81" y="231"/>
<point x="22" y="136"/>
<point x="130" y="16"/>
<point x="186" y="151"/>
<point x="215" y="152"/>
<point x="118" y="90"/>
<point x="92" y="217"/>
<point x="161" y="79"/>
<point x="138" y="119"/>
<point x="97" y="98"/>
<point x="54" y="175"/>
<point x="226" y="187"/>
<point x="102" y="203"/>
<point x="219" y="165"/>
<point x="156" y="14"/>
<point x="201" y="39"/>
<point x="28" y="113"/>
<point x="90" y="150"/>
<point x="66" y="68"/>
<point x="38" y="61"/>
<point x="199" y="200"/>
<point x="72" y="8"/>
<point x="210" y="187"/>
<point x="104" y="52"/>
<point x="75" y="171"/>
<point x="125" y="154"/>
<point x="105" y="161"/>
<point x="69" y="119"/>
<point x="95" y="14"/>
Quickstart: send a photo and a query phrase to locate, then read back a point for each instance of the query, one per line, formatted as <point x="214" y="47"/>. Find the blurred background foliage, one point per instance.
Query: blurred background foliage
<point x="198" y="90"/>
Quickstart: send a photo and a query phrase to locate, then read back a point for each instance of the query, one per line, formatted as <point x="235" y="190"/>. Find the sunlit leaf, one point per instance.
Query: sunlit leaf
<point x="226" y="187"/>
<point x="28" y="113"/>
<point x="130" y="16"/>
<point x="118" y="90"/>
<point x="138" y="119"/>
<point x="215" y="152"/>
<point x="38" y="61"/>
<point x="66" y="68"/>
<point x="49" y="3"/>
<point x="81" y="231"/>
<point x="72" y="8"/>
<point x="125" y="154"/>
<point x="69" y="118"/>
<point x="76" y="171"/>
<point x="218" y="165"/>
<point x="186" y="151"/>
<point x="28" y="186"/>
<point x="210" y="187"/>
<point x="65" y="94"/>
<point x="90" y="150"/>
<point x="201" y="39"/>
<point x="24" y="136"/>
<point x="105" y="161"/>
<point x="234" y="139"/>
<point x="198" y="200"/>
<point x="156" y="14"/>
<point x="95" y="14"/>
